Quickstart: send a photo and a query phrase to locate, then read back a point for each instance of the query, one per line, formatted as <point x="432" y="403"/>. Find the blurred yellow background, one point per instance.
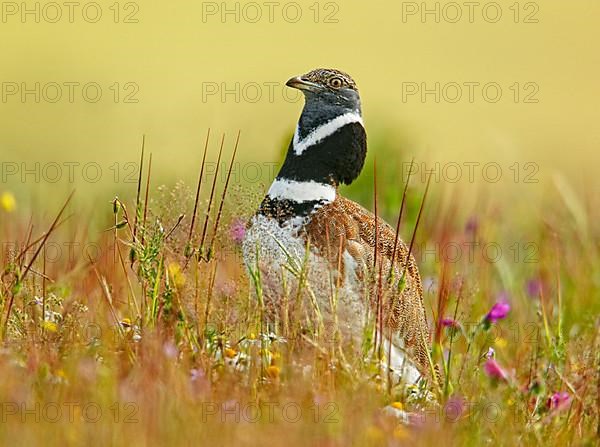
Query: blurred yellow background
<point x="179" y="57"/>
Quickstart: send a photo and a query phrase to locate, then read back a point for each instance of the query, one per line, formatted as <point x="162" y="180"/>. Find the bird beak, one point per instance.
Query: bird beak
<point x="301" y="84"/>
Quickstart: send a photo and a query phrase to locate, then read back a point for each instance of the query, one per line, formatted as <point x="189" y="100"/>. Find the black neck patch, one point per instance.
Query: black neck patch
<point x="336" y="159"/>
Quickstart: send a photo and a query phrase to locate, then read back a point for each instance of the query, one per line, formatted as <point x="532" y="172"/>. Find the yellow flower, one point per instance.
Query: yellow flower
<point x="398" y="406"/>
<point x="230" y="353"/>
<point x="500" y="342"/>
<point x="273" y="371"/>
<point x="8" y="202"/>
<point x="176" y="275"/>
<point x="50" y="326"/>
<point x="252" y="336"/>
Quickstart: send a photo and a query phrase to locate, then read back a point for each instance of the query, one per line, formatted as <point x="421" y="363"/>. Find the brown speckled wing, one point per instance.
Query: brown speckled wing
<point x="346" y="226"/>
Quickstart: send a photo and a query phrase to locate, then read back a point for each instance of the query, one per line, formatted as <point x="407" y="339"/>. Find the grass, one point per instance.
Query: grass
<point x="152" y="332"/>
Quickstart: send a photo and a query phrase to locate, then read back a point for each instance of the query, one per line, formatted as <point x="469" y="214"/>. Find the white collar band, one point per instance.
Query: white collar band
<point x="324" y="130"/>
<point x="306" y="191"/>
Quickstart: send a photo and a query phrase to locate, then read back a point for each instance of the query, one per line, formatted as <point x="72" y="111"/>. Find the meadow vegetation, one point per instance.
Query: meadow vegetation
<point x="150" y="331"/>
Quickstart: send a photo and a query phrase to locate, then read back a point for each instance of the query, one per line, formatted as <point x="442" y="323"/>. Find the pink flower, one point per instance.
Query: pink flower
<point x="454" y="408"/>
<point x="493" y="370"/>
<point x="170" y="350"/>
<point x="498" y="311"/>
<point x="197" y="374"/>
<point x="449" y="322"/>
<point x="472" y="225"/>
<point x="237" y="230"/>
<point x="417" y="420"/>
<point x="559" y="401"/>
<point x="534" y="287"/>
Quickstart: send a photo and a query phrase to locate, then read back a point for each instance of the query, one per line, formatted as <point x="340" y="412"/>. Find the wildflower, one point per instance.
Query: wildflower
<point x="250" y="339"/>
<point x="8" y="202"/>
<point x="237" y="230"/>
<point x="54" y="317"/>
<point x="534" y="287"/>
<point x="472" y="225"/>
<point x="398" y="406"/>
<point x="449" y="322"/>
<point x="230" y="353"/>
<point x="59" y="377"/>
<point x="491" y="353"/>
<point x="49" y="326"/>
<point x="197" y="374"/>
<point x="170" y="350"/>
<point x="176" y="275"/>
<point x="559" y="401"/>
<point x="417" y="420"/>
<point x="454" y="408"/>
<point x="272" y="337"/>
<point x="498" y="311"/>
<point x="493" y="370"/>
<point x="273" y="371"/>
<point x="500" y="342"/>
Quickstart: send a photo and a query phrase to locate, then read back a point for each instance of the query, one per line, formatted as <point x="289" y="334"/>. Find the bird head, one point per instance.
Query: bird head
<point x="332" y="91"/>
<point x="329" y="145"/>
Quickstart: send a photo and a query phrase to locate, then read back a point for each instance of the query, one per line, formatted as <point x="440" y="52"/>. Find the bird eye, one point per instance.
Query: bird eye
<point x="335" y="82"/>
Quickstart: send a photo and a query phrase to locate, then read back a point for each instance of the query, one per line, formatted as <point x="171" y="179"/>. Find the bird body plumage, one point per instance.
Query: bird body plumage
<point x="304" y="225"/>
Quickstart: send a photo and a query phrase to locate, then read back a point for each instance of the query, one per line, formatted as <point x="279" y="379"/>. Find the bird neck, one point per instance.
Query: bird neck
<point x="330" y="154"/>
<point x="318" y="112"/>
